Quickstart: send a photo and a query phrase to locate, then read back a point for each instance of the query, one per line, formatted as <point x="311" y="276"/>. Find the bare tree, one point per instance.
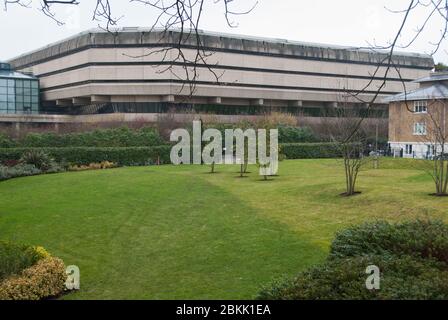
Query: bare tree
<point x="435" y="136"/>
<point x="430" y="11"/>
<point x="350" y="139"/>
<point x="343" y="128"/>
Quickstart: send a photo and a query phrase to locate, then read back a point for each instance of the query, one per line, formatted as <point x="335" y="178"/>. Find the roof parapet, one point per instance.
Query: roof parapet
<point x="220" y="41"/>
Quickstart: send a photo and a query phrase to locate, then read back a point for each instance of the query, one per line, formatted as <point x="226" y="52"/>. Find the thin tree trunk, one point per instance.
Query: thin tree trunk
<point x="347" y="177"/>
<point x="445" y="186"/>
<point x="245" y="166"/>
<point x="355" y="178"/>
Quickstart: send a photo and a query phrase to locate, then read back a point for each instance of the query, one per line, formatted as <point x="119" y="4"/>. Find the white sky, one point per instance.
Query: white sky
<point x="343" y="22"/>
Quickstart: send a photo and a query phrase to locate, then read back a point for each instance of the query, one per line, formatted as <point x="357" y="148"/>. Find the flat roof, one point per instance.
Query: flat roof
<point x="136" y="36"/>
<point x="436" y="91"/>
<point x="7" y="72"/>
<point x="434" y="77"/>
<point x="14" y="75"/>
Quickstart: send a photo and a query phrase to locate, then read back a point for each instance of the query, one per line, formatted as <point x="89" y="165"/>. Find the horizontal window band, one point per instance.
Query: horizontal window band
<point x="211" y="49"/>
<point x="240" y="85"/>
<point x="218" y="67"/>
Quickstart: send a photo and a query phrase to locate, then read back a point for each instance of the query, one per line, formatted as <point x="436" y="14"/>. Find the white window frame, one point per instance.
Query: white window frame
<point x="421" y="106"/>
<point x="420" y="129"/>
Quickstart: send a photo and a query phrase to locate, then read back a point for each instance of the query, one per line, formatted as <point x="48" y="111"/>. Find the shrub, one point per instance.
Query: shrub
<point x="402" y="278"/>
<point x="21" y="170"/>
<point x="118" y="137"/>
<point x="44" y="279"/>
<point x="93" y="166"/>
<point x="310" y="150"/>
<point x="11" y="163"/>
<point x="289" y="134"/>
<point x="15" y="257"/>
<point x="38" y="158"/>
<point x="426" y="239"/>
<point x="41" y="252"/>
<point x="6" y="142"/>
<point x="87" y="155"/>
<point x="412" y="257"/>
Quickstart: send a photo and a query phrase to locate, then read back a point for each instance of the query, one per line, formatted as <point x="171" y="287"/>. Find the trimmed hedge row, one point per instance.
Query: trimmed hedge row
<point x="310" y="150"/>
<point x="290" y="134"/>
<point x="85" y="155"/>
<point x="118" y="137"/>
<point x="127" y="156"/>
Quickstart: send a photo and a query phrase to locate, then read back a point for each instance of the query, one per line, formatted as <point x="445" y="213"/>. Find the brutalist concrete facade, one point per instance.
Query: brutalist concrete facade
<point x="129" y="67"/>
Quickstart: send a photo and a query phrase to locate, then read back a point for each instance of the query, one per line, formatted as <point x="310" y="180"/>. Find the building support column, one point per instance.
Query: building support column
<point x="296" y="103"/>
<point x="257" y="102"/>
<point x="96" y="98"/>
<point x="168" y="98"/>
<point x="81" y="101"/>
<point x="216" y="100"/>
<point x="63" y="102"/>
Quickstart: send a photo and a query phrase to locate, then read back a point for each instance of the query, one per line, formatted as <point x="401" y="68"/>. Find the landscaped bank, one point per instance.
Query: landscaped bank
<point x="180" y="232"/>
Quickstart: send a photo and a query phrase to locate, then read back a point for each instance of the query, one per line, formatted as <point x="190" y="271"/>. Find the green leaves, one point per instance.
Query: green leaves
<point x="124" y="156"/>
<point x="412" y="257"/>
<point x="119" y="137"/>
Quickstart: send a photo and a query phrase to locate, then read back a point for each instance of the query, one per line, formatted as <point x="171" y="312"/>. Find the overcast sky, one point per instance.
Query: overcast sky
<point x="344" y="22"/>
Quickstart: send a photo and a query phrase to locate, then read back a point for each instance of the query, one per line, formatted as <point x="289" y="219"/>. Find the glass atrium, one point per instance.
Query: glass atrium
<point x="19" y="93"/>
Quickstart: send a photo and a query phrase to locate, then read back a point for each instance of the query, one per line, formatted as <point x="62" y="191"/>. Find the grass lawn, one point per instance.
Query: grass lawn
<point x="180" y="233"/>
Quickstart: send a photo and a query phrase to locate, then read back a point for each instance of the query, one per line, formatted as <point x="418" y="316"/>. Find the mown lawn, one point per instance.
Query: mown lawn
<point x="180" y="233"/>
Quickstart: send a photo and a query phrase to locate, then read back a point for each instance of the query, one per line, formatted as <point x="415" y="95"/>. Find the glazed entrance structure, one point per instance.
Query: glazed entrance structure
<point x="19" y="93"/>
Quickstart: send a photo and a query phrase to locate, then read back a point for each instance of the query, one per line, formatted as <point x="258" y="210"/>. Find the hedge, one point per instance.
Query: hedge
<point x="401" y="278"/>
<point x="289" y="134"/>
<point x="310" y="150"/>
<point x="118" y="137"/>
<point x="126" y="156"/>
<point x="86" y="155"/>
<point x="427" y="239"/>
<point x="411" y="256"/>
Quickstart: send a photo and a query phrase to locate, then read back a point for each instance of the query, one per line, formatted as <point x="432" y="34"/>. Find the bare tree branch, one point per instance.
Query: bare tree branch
<point x="184" y="16"/>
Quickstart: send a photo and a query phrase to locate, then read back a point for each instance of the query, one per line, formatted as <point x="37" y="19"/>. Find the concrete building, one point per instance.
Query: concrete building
<point x="418" y="119"/>
<point x="99" y="72"/>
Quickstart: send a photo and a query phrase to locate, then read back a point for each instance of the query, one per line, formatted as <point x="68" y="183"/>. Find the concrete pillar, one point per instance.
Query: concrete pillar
<point x="63" y="102"/>
<point x="257" y="102"/>
<point x="81" y="101"/>
<point x="96" y="98"/>
<point x="168" y="98"/>
<point x="295" y="103"/>
<point x="216" y="100"/>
